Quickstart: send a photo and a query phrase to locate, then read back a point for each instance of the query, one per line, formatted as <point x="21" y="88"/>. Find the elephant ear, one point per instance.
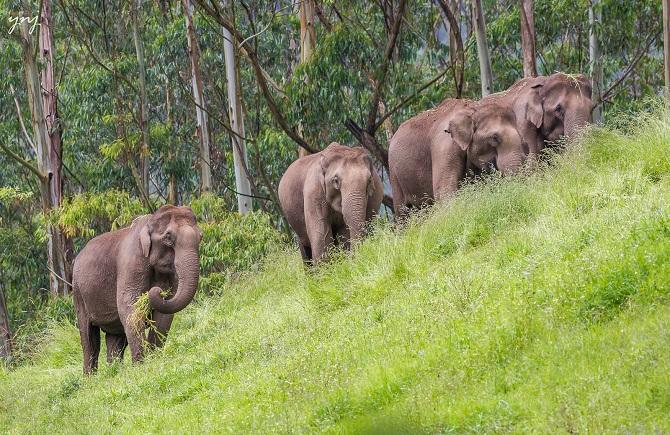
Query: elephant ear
<point x="534" y="109"/>
<point x="461" y="129"/>
<point x="145" y="240"/>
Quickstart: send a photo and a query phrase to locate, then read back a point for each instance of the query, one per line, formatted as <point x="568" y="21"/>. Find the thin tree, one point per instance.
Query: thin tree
<point x="198" y="97"/>
<point x="46" y="169"/>
<point x="451" y="16"/>
<point x="307" y="44"/>
<point x="595" y="57"/>
<point x="135" y="6"/>
<point x="482" y="48"/>
<point x="5" y="334"/>
<point x="528" y="38"/>
<point x="242" y="183"/>
<point x="666" y="44"/>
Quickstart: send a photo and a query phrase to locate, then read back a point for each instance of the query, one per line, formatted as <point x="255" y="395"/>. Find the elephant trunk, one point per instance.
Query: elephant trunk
<point x="576" y="119"/>
<point x="354" y="207"/>
<point x="187" y="267"/>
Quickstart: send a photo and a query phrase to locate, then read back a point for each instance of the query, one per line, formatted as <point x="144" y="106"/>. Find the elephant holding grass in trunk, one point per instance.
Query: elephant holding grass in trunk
<point x="430" y="154"/>
<point x="328" y="197"/>
<point x="158" y="252"/>
<point x="549" y="107"/>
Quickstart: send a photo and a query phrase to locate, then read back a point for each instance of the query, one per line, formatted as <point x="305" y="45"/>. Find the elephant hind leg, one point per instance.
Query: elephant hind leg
<point x="306" y="253"/>
<point x="90" y="342"/>
<point x="116" y="345"/>
<point x="89" y="335"/>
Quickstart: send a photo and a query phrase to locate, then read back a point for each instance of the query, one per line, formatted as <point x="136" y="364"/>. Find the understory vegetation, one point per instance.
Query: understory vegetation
<point x="534" y="303"/>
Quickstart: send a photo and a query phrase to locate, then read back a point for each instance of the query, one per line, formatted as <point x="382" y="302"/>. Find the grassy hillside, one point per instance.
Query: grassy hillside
<point x="536" y="303"/>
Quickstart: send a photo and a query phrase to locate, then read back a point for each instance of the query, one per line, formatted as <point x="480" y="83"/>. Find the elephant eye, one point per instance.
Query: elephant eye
<point x="495" y="138"/>
<point x="558" y="109"/>
<point x="336" y="182"/>
<point x="169" y="237"/>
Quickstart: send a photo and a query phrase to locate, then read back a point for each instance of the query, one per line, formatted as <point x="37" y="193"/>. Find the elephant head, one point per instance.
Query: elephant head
<point x="487" y="133"/>
<point x="349" y="183"/>
<point x="559" y="105"/>
<point x="170" y="239"/>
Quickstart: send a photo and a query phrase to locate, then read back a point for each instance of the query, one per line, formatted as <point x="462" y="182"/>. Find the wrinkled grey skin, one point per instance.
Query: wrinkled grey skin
<point x="549" y="107"/>
<point x="328" y="197"/>
<point x="157" y="252"/>
<point x="430" y="154"/>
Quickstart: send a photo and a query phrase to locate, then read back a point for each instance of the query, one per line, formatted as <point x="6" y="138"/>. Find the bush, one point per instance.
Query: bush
<point x="231" y="243"/>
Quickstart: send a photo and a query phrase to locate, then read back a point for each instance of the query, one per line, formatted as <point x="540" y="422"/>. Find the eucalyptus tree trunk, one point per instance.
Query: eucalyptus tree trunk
<point x="482" y="48"/>
<point x="141" y="73"/>
<point x="48" y="168"/>
<point x="198" y="97"/>
<point x="666" y="44"/>
<point x="595" y="57"/>
<point x="307" y="44"/>
<point x="5" y="334"/>
<point x="242" y="184"/>
<point x="528" y="38"/>
<point x="172" y="179"/>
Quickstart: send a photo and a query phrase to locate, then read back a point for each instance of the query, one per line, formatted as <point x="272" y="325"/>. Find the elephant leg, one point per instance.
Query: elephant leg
<point x="305" y="252"/>
<point x="89" y="335"/>
<point x="320" y="238"/>
<point x="161" y="327"/>
<point x="399" y="206"/>
<point x="447" y="173"/>
<point x="116" y="345"/>
<point x="133" y="326"/>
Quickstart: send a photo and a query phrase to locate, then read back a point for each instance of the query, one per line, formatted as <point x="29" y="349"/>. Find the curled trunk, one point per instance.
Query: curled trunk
<point x="187" y="266"/>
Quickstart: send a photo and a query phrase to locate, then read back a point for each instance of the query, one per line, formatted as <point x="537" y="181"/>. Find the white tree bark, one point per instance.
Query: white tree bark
<point x="242" y="183"/>
<point x="666" y="43"/>
<point x="46" y="168"/>
<point x="198" y="97"/>
<point x="482" y="48"/>
<point x="144" y="112"/>
<point x="595" y="57"/>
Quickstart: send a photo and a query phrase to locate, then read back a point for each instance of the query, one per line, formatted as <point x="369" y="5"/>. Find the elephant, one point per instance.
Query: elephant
<point x="549" y="107"/>
<point x="157" y="252"/>
<point x="328" y="197"/>
<point x="431" y="153"/>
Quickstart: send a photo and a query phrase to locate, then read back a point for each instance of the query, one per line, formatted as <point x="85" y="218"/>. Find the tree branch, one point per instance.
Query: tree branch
<point x="92" y="52"/>
<point x="322" y="17"/>
<point x="23" y="162"/>
<point x="411" y="97"/>
<point x="383" y="70"/>
<point x="212" y="11"/>
<point x="23" y="126"/>
<point x="460" y="54"/>
<point x="628" y="70"/>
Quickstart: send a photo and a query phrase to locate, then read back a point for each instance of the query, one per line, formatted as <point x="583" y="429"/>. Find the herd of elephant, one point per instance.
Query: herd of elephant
<point x="327" y="198"/>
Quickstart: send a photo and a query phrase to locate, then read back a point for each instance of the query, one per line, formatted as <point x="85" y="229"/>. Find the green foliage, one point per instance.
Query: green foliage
<point x="231" y="243"/>
<point x="535" y="303"/>
<point x="89" y="214"/>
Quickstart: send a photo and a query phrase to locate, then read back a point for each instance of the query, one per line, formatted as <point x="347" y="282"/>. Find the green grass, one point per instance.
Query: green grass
<point x="539" y="303"/>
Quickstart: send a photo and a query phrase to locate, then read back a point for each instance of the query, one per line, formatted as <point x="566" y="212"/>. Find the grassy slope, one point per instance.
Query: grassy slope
<point x="537" y="303"/>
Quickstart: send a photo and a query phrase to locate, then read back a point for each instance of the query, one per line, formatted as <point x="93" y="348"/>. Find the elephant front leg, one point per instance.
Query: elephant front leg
<point x="133" y="324"/>
<point x="160" y="328"/>
<point x="320" y="238"/>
